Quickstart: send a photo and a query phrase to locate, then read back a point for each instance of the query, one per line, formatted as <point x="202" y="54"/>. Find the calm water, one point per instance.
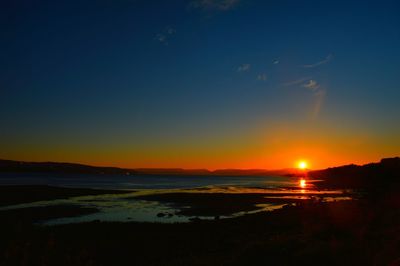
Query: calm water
<point x="125" y="207"/>
<point x="142" y="182"/>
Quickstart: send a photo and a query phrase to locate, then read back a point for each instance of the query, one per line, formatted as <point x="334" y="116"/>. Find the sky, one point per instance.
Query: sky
<point x="200" y="83"/>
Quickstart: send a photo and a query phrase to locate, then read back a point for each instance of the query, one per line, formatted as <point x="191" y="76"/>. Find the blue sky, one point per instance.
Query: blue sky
<point x="113" y="82"/>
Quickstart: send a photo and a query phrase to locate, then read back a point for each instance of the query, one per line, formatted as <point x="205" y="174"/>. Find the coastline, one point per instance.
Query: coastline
<point x="18" y="194"/>
<point x="311" y="232"/>
<point x="352" y="232"/>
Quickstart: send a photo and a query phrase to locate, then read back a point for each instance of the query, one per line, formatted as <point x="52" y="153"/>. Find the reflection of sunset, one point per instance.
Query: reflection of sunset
<point x="302" y="183"/>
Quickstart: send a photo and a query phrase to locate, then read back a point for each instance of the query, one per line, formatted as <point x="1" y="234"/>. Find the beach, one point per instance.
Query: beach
<point x="312" y="232"/>
<point x="189" y="220"/>
<point x="162" y="199"/>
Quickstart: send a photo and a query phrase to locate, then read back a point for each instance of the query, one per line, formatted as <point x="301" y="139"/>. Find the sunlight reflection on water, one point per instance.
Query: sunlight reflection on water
<point x="126" y="207"/>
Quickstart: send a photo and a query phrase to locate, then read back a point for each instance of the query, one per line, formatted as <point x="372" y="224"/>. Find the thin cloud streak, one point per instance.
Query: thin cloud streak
<point x="312" y="85"/>
<point x="296" y="82"/>
<point x="318" y="93"/>
<point x="325" y="61"/>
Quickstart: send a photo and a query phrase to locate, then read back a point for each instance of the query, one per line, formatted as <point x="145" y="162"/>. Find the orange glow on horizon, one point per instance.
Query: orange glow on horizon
<point x="273" y="148"/>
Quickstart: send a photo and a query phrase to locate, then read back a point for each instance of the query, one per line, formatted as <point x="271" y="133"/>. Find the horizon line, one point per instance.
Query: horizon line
<point x="184" y="169"/>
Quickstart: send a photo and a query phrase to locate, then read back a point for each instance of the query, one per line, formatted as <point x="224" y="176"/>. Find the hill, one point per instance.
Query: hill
<point x="383" y="174"/>
<point x="9" y="166"/>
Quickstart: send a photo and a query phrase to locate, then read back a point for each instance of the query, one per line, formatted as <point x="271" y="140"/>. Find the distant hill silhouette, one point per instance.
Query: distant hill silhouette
<point x="258" y="172"/>
<point x="52" y="167"/>
<point x="384" y="174"/>
<point x="371" y="175"/>
<point x="9" y="166"/>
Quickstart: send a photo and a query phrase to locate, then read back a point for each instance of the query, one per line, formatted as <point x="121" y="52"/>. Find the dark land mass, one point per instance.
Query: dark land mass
<point x="9" y="166"/>
<point x="365" y="231"/>
<point x="31" y="215"/>
<point x="10" y="195"/>
<point x="376" y="177"/>
<point x="216" y="204"/>
<point x="337" y="233"/>
<point x="349" y="175"/>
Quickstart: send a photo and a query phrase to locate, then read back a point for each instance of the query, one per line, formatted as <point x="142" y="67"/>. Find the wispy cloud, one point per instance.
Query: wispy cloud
<point x="312" y="85"/>
<point x="275" y="62"/>
<point x="327" y="59"/>
<point x="244" y="68"/>
<point x="296" y="82"/>
<point x="262" y="77"/>
<point x="222" y="5"/>
<point x="318" y="93"/>
<point x="165" y="35"/>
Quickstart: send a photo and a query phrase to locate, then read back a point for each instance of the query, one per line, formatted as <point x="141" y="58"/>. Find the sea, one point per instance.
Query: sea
<point x="130" y="182"/>
<point x="126" y="208"/>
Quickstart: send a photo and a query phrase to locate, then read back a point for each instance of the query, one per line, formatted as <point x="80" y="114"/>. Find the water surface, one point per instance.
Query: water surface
<point x="126" y="207"/>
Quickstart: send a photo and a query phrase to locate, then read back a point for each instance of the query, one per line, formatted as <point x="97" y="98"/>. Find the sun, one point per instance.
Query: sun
<point x="302" y="165"/>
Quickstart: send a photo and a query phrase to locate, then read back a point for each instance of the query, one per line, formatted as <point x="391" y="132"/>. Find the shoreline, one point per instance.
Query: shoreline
<point x="350" y="232"/>
<point x="335" y="233"/>
<point x="192" y="204"/>
<point x="20" y="194"/>
<point x="226" y="204"/>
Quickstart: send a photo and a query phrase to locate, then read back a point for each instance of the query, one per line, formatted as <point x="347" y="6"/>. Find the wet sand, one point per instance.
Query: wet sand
<point x="335" y="233"/>
<point x="191" y="204"/>
<point x="216" y="204"/>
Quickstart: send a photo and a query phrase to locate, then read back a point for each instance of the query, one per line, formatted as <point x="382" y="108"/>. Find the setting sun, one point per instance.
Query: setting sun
<point x="302" y="165"/>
